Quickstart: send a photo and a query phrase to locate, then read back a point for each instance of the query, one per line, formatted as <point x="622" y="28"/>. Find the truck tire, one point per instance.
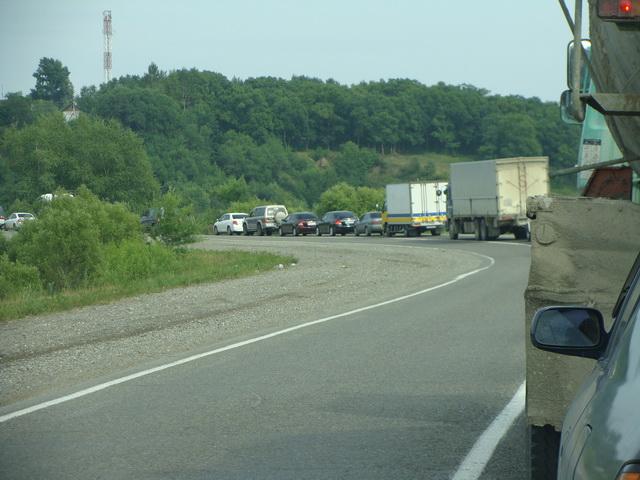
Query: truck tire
<point x="544" y="446"/>
<point x="477" y="234"/>
<point x="453" y="231"/>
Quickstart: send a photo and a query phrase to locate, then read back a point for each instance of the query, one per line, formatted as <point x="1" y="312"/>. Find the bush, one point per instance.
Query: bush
<point x="17" y="277"/>
<point x="64" y="244"/>
<point x="178" y="225"/>
<point x="135" y="260"/>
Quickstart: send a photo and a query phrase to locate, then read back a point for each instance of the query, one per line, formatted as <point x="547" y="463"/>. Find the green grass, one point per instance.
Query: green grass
<point x="193" y="267"/>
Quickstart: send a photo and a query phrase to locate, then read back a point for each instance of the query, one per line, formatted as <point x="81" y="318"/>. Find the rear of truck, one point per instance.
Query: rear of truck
<point x="583" y="248"/>
<point x="415" y="208"/>
<point x="489" y="198"/>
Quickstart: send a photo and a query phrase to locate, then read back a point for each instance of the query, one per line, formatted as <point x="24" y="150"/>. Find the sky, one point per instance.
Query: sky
<point x="504" y="46"/>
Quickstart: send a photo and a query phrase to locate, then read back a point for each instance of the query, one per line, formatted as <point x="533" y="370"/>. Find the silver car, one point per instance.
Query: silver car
<point x="16" y="219"/>
<point x="601" y="430"/>
<point x="370" y="222"/>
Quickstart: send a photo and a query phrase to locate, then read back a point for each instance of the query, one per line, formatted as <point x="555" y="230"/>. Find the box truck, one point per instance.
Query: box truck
<point x="489" y="197"/>
<point x="414" y="208"/>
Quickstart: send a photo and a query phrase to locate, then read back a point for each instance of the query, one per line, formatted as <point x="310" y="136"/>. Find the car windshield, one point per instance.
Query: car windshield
<point x="25" y="215"/>
<point x="375" y="215"/>
<point x="239" y="215"/>
<point x="345" y="215"/>
<point x="307" y="216"/>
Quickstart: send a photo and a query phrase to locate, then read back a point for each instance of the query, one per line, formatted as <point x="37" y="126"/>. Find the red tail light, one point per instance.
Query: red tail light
<point x="235" y="222"/>
<point x="619" y="10"/>
<point x="338" y="222"/>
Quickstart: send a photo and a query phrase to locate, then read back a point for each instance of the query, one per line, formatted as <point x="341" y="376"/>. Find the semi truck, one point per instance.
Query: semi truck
<point x="489" y="197"/>
<point x="583" y="248"/>
<point x="415" y="208"/>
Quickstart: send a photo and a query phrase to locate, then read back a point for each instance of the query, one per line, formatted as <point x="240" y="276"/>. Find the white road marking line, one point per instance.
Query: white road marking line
<point x="476" y="460"/>
<point x="118" y="381"/>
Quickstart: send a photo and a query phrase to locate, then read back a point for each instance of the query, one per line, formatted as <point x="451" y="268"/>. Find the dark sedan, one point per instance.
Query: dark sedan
<point x="299" y="223"/>
<point x="370" y="222"/>
<point x="340" y="221"/>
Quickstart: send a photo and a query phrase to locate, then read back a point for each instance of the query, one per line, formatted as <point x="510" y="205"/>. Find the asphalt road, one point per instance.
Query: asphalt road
<point x="401" y="391"/>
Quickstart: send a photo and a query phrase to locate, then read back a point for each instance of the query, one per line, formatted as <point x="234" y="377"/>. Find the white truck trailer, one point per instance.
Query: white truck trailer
<point x="414" y="208"/>
<point x="489" y="197"/>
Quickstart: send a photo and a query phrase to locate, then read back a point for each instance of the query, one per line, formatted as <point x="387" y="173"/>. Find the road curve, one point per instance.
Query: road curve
<point x="401" y="390"/>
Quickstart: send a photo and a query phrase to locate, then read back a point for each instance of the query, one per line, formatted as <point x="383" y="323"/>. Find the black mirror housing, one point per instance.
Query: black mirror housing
<point x="570" y="330"/>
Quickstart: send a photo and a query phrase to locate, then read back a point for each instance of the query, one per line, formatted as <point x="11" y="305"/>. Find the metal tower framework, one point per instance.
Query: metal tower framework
<point x="107" y="30"/>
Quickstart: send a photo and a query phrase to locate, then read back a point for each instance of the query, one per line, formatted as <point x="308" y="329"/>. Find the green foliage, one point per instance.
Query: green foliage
<point x="346" y="197"/>
<point x="17" y="277"/>
<point x="178" y="224"/>
<point x="52" y="82"/>
<point x="66" y="243"/>
<point x="353" y="163"/>
<point x="135" y="260"/>
<point x="63" y="244"/>
<point x="509" y="135"/>
<point x="50" y="154"/>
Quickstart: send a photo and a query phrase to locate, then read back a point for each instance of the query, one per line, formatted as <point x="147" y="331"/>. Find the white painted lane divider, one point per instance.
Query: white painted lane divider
<point x="144" y="373"/>
<point x="476" y="460"/>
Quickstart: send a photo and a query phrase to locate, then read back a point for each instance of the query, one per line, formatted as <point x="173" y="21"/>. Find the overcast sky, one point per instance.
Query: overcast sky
<point x="504" y="46"/>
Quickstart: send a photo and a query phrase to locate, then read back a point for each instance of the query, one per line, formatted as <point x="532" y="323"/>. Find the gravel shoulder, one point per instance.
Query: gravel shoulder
<point x="47" y="355"/>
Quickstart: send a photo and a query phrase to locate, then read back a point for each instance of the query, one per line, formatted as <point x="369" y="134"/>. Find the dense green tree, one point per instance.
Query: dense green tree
<point x="52" y="82"/>
<point x="510" y="135"/>
<point x="52" y="154"/>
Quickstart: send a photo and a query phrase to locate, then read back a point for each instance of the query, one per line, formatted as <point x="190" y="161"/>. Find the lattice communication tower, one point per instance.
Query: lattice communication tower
<point x="106" y="29"/>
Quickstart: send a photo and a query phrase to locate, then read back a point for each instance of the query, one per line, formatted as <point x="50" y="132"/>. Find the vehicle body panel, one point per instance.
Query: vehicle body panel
<point x="416" y="206"/>
<point x="337" y="222"/>
<point x="497" y="188"/>
<point x="601" y="430"/>
<point x="302" y="223"/>
<point x="17" y="219"/>
<point x="229" y="223"/>
<point x="264" y="219"/>
<point x="370" y="222"/>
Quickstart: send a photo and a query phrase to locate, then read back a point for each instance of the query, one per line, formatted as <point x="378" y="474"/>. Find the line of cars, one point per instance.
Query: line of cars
<point x="269" y="219"/>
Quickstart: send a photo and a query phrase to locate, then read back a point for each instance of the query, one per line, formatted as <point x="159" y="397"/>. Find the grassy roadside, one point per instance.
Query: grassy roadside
<point x="195" y="266"/>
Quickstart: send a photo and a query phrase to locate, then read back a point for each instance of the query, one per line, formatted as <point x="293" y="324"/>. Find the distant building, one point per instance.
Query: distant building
<point x="71" y="112"/>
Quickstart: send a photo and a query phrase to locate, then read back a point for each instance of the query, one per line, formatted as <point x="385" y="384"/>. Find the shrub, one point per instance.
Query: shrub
<point x="64" y="244"/>
<point x="134" y="259"/>
<point x="178" y="225"/>
<point x="17" y="277"/>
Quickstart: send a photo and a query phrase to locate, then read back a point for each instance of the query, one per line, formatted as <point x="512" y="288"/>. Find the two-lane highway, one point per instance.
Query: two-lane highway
<point x="401" y="389"/>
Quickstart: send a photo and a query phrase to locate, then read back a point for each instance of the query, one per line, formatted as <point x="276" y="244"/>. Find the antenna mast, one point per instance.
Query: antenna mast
<point x="106" y="29"/>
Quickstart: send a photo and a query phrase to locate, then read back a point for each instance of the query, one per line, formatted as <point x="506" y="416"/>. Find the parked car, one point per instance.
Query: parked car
<point x="601" y="430"/>
<point x="264" y="219"/>
<point x="151" y="217"/>
<point x="299" y="223"/>
<point x="340" y="221"/>
<point x="370" y="222"/>
<point x="229" y="223"/>
<point x="16" y="219"/>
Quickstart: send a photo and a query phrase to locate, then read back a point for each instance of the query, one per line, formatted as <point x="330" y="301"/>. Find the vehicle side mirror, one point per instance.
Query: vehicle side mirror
<point x="566" y="112"/>
<point x="575" y="331"/>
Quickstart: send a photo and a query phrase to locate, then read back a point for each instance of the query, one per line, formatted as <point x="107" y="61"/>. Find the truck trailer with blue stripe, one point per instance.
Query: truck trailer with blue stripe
<point x="415" y="208"/>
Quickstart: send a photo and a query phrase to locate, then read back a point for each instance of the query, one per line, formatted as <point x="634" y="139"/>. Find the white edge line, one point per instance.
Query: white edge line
<point x="118" y="381"/>
<point x="476" y="460"/>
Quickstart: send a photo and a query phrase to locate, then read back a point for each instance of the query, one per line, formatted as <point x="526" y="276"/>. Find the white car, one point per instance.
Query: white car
<point x="15" y="220"/>
<point x="229" y="223"/>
